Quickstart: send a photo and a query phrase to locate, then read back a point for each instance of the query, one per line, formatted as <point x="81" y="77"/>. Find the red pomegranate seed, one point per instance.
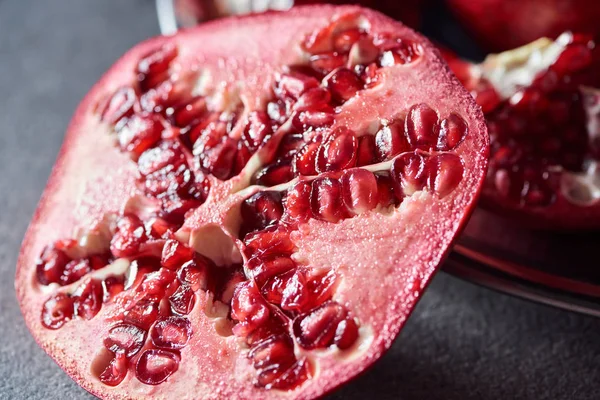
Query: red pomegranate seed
<point x="111" y="287"/>
<point x="262" y="209"/>
<point x="573" y="58"/>
<point x="422" y="127"/>
<point x="453" y="130"/>
<point x="171" y="333"/>
<point x="258" y="129"/>
<point x="153" y="67"/>
<point x="98" y="261"/>
<point x="371" y="75"/>
<point x="408" y="173"/>
<point x="182" y="301"/>
<point x="405" y="52"/>
<point x="366" y="151"/>
<point x="173" y="179"/>
<point x="126" y="339"/>
<point x="294" y="376"/>
<point x="194" y="273"/>
<point x="321" y="288"/>
<point x="344" y="40"/>
<point x="275" y="350"/>
<point x="165" y="154"/>
<point x="362" y="53"/>
<point x="346" y="334"/>
<point x="272" y="290"/>
<point x="129" y="236"/>
<point x="119" y="106"/>
<point x="263" y="268"/>
<point x="187" y="114"/>
<point x="277" y="111"/>
<point x="338" y="151"/>
<point x="304" y="120"/>
<point x="297" y="202"/>
<point x="270" y="241"/>
<point x="57" y="311"/>
<point x="314" y="99"/>
<point x="154" y="285"/>
<point x="174" y="254"/>
<point x="326" y="62"/>
<point x="249" y="308"/>
<point x="140" y="133"/>
<point x="116" y="371"/>
<point x="275" y="174"/>
<point x="326" y="200"/>
<point x="294" y="84"/>
<point x="390" y="141"/>
<point x="385" y="191"/>
<point x="290" y="144"/>
<point x="75" y="270"/>
<point x="445" y="173"/>
<point x="155" y="366"/>
<point x="88" y="298"/>
<point x="165" y="95"/>
<point x="317" y="328"/>
<point x="295" y="295"/>
<point x="142" y="266"/>
<point x="359" y="190"/>
<point x="51" y="264"/>
<point x="218" y="160"/>
<point x="142" y="314"/>
<point x="304" y="162"/>
<point x="343" y="84"/>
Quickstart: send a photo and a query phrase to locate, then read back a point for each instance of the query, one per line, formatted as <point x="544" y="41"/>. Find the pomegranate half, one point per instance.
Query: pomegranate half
<point x="252" y="208"/>
<point x="541" y="103"/>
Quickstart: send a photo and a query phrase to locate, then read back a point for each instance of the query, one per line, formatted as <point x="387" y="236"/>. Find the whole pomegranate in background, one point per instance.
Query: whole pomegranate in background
<point x="506" y="24"/>
<point x="543" y="115"/>
<point x="191" y="12"/>
<point x="252" y="208"/>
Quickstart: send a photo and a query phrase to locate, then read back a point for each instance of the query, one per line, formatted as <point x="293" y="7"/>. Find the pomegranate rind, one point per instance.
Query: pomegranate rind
<point x="397" y="251"/>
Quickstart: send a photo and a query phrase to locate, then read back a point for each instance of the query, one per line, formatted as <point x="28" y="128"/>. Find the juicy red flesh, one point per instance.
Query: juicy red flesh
<point x="181" y="142"/>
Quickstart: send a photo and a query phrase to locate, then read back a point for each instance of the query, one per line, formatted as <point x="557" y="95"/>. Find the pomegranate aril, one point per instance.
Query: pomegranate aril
<point x="445" y="171"/>
<point x="155" y="366"/>
<point x="119" y="106"/>
<point x="142" y="314"/>
<point x="187" y="114"/>
<point x="453" y="130"/>
<point x="258" y="130"/>
<point x="297" y="202"/>
<point x="386" y="195"/>
<point x="182" y="301"/>
<point x="275" y="174"/>
<point x="289" y="145"/>
<point x="574" y="58"/>
<point x="276" y="350"/>
<point x="167" y="153"/>
<point x="260" y="210"/>
<point x="154" y="285"/>
<point x="326" y="200"/>
<point x="126" y="339"/>
<point x="343" y="84"/>
<point x="409" y="173"/>
<point x="359" y="190"/>
<point x="390" y="141"/>
<point x="294" y="84"/>
<point x="304" y="162"/>
<point x="51" y="264"/>
<point x="171" y="333"/>
<point x="344" y="40"/>
<point x="295" y="295"/>
<point x="293" y="376"/>
<point x="327" y="62"/>
<point x="307" y="119"/>
<point x="249" y="308"/>
<point x="129" y="236"/>
<point x="317" y="328"/>
<point x="337" y="152"/>
<point x="218" y="160"/>
<point x="88" y="299"/>
<point x="153" y="68"/>
<point x="116" y="370"/>
<point x="111" y="287"/>
<point x="74" y="271"/>
<point x="174" y="254"/>
<point x="346" y="334"/>
<point x="363" y="52"/>
<point x="405" y="52"/>
<point x="57" y="311"/>
<point x="194" y="273"/>
<point x="165" y="95"/>
<point x="422" y="127"/>
<point x="366" y="152"/>
<point x="140" y="133"/>
<point x="263" y="268"/>
<point x="314" y="99"/>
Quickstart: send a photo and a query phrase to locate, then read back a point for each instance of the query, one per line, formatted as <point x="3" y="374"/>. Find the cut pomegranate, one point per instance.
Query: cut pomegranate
<point x="264" y="216"/>
<point x="543" y="168"/>
<point x="505" y="24"/>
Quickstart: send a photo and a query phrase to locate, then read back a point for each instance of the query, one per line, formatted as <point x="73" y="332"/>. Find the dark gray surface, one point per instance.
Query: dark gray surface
<point x="463" y="342"/>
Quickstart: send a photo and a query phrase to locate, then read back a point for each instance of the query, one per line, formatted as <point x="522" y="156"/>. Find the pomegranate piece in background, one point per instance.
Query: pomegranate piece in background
<point x="208" y="218"/>
<point x="542" y="112"/>
<point x="506" y="24"/>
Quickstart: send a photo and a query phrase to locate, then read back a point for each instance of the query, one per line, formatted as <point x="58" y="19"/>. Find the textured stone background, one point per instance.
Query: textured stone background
<point x="463" y="342"/>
